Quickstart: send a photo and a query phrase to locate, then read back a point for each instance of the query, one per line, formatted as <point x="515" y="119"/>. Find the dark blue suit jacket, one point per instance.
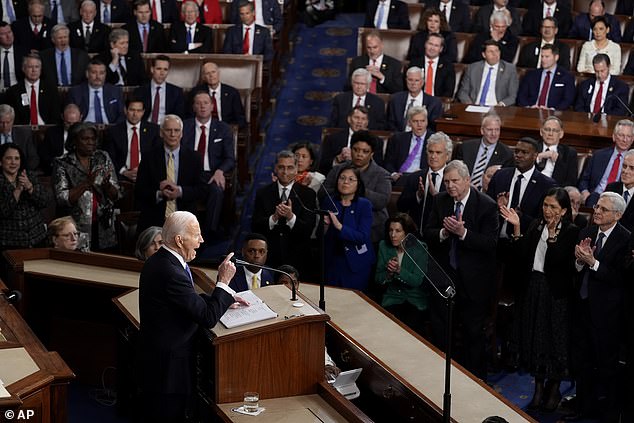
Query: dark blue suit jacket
<point x="116" y="141"/>
<point x="178" y="38"/>
<point x="271" y="14"/>
<point x="396" y="110"/>
<point x="112" y="101"/>
<point x="581" y="28"/>
<point x="231" y="107"/>
<point x="220" y="148"/>
<point x="174" y="100"/>
<point x="611" y="105"/>
<point x="560" y="96"/>
<point x="342" y="105"/>
<point x="593" y="172"/>
<point x="119" y="11"/>
<point x="398" y="150"/>
<point x="239" y="281"/>
<point x="156" y="37"/>
<point x="261" y="41"/>
<point x="397" y="16"/>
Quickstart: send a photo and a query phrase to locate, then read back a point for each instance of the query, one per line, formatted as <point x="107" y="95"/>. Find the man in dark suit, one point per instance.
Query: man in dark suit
<point x="188" y="36"/>
<point x="530" y="53"/>
<point x="457" y="15"/>
<point x="556" y="160"/>
<point x="462" y="235"/>
<point x="146" y="35"/>
<point x="378" y="16"/>
<point x="440" y="77"/>
<point x="213" y="141"/>
<point x="405" y="153"/>
<point x="171" y="313"/>
<point x="71" y="70"/>
<point x="282" y="213"/>
<point x="498" y="30"/>
<point x="414" y="96"/>
<point x="559" y="10"/>
<point x="21" y="135"/>
<point x="254" y="250"/>
<point x="482" y="18"/>
<point x="550" y="87"/>
<point x="12" y="54"/>
<point x="269" y="14"/>
<point x="421" y="187"/>
<point x="170" y="97"/>
<point x="343" y="103"/>
<point x="87" y="33"/>
<point x="597" y="333"/>
<point x="164" y="11"/>
<point x="604" y="167"/>
<point x="609" y="86"/>
<point x="61" y="12"/>
<point x="34" y="99"/>
<point x="98" y="101"/>
<point x="625" y="188"/>
<point x="230" y="108"/>
<point x="248" y="37"/>
<point x="335" y="148"/>
<point x="169" y="177"/>
<point x="33" y="32"/>
<point x="123" y="66"/>
<point x="127" y="142"/>
<point x="582" y="25"/>
<point x="55" y="138"/>
<point x="385" y="70"/>
<point x="481" y="153"/>
<point x="109" y="11"/>
<point x="12" y="10"/>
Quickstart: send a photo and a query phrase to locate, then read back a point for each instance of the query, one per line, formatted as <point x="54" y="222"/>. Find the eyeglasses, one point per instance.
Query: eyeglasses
<point x="345" y="179"/>
<point x="69" y="235"/>
<point x="602" y="209"/>
<point x="551" y="130"/>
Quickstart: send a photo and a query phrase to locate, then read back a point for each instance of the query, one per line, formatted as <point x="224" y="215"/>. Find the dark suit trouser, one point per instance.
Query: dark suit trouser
<point x="215" y="197"/>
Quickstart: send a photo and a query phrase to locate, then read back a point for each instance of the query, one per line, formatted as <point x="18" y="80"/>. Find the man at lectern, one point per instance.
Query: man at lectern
<point x="171" y="312"/>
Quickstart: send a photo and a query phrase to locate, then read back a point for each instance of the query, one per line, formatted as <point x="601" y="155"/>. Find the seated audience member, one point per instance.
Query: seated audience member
<point x="550" y="87"/>
<point x="88" y="33"/>
<point x="490" y="81"/>
<point x="64" y="65"/>
<point x="421" y="187"/>
<point x="456" y="14"/>
<point x="146" y="34"/>
<point x="604" y="166"/>
<point x="582" y="25"/>
<point x="433" y="21"/>
<point x="405" y="151"/>
<point x="488" y="175"/>
<point x="400" y="270"/>
<point x="481" y="153"/>
<point x="123" y="66"/>
<point x="600" y="44"/>
<point x="530" y="53"/>
<point x="282" y="213"/>
<point x="348" y="251"/>
<point x="414" y="96"/>
<point x="187" y="35"/>
<point x="34" y="99"/>
<point x="225" y="99"/>
<point x="335" y="148"/>
<point x="33" y="32"/>
<point x="625" y="188"/>
<point x="343" y="103"/>
<point x="554" y="159"/>
<point x="128" y="141"/>
<point x="283" y="279"/>
<point x="63" y="234"/>
<point x="499" y="32"/>
<point x="598" y="93"/>
<point x="575" y="202"/>
<point x="376" y="180"/>
<point x="55" y="138"/>
<point x="86" y="186"/>
<point x="385" y="70"/>
<point x="247" y="37"/>
<point x="14" y="53"/>
<point x="148" y="242"/>
<point x="556" y="11"/>
<point x="381" y="14"/>
<point x="482" y="18"/>
<point x="113" y="11"/>
<point x="267" y="15"/>
<point x="440" y="76"/>
<point x="159" y="96"/>
<point x="254" y="250"/>
<point x="22" y="136"/>
<point x="306" y="165"/>
<point x="22" y="199"/>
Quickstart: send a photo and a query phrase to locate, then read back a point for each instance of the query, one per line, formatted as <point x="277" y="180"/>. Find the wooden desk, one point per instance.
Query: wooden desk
<point x="36" y="378"/>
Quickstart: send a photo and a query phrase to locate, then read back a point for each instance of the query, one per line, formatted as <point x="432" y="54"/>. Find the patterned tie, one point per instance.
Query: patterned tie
<point x="170" y="206"/>
<point x="145" y="39"/>
<point x="33" y="106"/>
<point x="429" y="78"/>
<point x="379" y="19"/>
<point x="254" y="282"/>
<point x="245" y="42"/>
<point x="453" y="249"/>
<point x="544" y="91"/>
<point x="62" y="69"/>
<point x="597" y="101"/>
<point x="6" y="72"/>
<point x="106" y="14"/>
<point x="485" y="87"/>
<point x="156" y="106"/>
<point x="410" y="159"/>
<point x="373" y="82"/>
<point x="202" y="143"/>
<point x="480" y="167"/>
<point x="98" y="115"/>
<point x="214" y="106"/>
<point x="614" y="172"/>
<point x="134" y="149"/>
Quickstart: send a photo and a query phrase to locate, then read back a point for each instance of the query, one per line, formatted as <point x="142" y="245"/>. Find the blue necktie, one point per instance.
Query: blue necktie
<point x="98" y="115"/>
<point x="54" y="13"/>
<point x="626" y="196"/>
<point x="189" y="272"/>
<point x="485" y="88"/>
<point x="62" y="70"/>
<point x="188" y="39"/>
<point x="106" y="15"/>
<point x="6" y="74"/>
<point x="381" y="13"/>
<point x="8" y="5"/>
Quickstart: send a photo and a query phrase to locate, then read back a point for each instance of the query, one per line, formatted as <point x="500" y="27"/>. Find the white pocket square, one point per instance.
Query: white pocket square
<point x="559" y="85"/>
<point x="217" y="140"/>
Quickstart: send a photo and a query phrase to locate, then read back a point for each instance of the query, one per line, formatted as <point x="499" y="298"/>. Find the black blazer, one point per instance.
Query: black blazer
<point x="119" y="11"/>
<point x="18" y="54"/>
<point x="116" y="142"/>
<point x="25" y="37"/>
<point x="220" y="145"/>
<point x="397" y="16"/>
<point x="174" y="102"/>
<point x="611" y="105"/>
<point x="342" y="105"/>
<point x="398" y="150"/>
<point x="99" y="34"/>
<point x="51" y="147"/>
<point x="566" y="167"/>
<point x="113" y="101"/>
<point x="408" y="203"/>
<point x="156" y="38"/>
<point x="417" y="46"/>
<point x="627" y="219"/>
<point x="396" y="110"/>
<point x="78" y="63"/>
<point x="390" y="68"/>
<point x="331" y="147"/>
<point x="460" y="17"/>
<point x="468" y="152"/>
<point x="533" y="18"/>
<point x="135" y="69"/>
<point x="481" y="20"/>
<point x="530" y="54"/>
<point x="231" y="107"/>
<point x="508" y="47"/>
<point x="444" y="79"/>
<point x="49" y="104"/>
<point x="178" y="38"/>
<point x="262" y="43"/>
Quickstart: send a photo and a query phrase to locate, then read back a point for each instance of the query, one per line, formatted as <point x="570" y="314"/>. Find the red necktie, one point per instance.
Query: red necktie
<point x="615" y="169"/>
<point x="373" y="83"/>
<point x="154" y="13"/>
<point x="358" y="102"/>
<point x="214" y="106"/>
<point x="145" y="36"/>
<point x="35" y="30"/>
<point x="597" y="101"/>
<point x="429" y="79"/>
<point x="156" y="106"/>
<point x="33" y="106"/>
<point x="202" y="143"/>
<point x="245" y="42"/>
<point x="134" y="149"/>
<point x="544" y="92"/>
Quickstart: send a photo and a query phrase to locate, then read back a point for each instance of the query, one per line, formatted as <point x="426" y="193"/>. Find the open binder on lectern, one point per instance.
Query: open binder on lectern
<point x="243" y="315"/>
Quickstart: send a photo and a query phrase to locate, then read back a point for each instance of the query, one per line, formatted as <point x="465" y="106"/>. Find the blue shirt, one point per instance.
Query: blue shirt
<point x="68" y="64"/>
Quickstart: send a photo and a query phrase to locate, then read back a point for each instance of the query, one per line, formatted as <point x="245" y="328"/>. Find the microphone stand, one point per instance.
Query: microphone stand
<point x="271" y="269"/>
<point x="446" y="403"/>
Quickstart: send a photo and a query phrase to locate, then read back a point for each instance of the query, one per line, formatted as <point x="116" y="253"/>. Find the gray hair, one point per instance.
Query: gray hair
<point x="415" y="69"/>
<point x="571" y="189"/>
<point x="624" y="122"/>
<point x="117" y="34"/>
<point x="441" y="138"/>
<point x="59" y="27"/>
<point x="145" y="240"/>
<point x="459" y="166"/>
<point x="5" y="109"/>
<point x="628" y="153"/>
<point x="88" y="2"/>
<point x="191" y="3"/>
<point x="176" y="224"/>
<point x="491" y="116"/>
<point x="555" y="119"/>
<point x="501" y="15"/>
<point x="416" y="110"/>
<point x="363" y="73"/>
<point x="286" y="154"/>
<point x="172" y="117"/>
<point x="618" y="202"/>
